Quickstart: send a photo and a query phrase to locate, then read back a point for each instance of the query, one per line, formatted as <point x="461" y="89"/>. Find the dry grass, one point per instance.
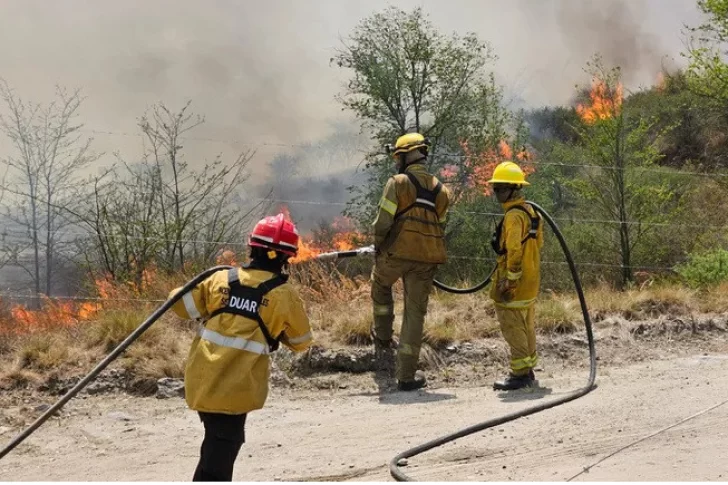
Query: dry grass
<point x="324" y="284"/>
<point x="558" y="314"/>
<point x="46" y="351"/>
<point x="113" y="326"/>
<point x="162" y="357"/>
<point x="15" y="378"/>
<point x="159" y="352"/>
<point x="714" y="300"/>
<point x="459" y="318"/>
<point x="353" y="327"/>
<point x="632" y="304"/>
<point x="38" y="354"/>
<point x="341" y="314"/>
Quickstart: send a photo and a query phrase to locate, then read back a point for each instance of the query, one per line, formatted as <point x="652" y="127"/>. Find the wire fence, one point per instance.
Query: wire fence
<point x="18" y="236"/>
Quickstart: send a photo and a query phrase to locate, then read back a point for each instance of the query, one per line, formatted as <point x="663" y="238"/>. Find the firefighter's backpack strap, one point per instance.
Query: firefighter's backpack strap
<point x="246" y="301"/>
<point x="425" y="198"/>
<point x="532" y="231"/>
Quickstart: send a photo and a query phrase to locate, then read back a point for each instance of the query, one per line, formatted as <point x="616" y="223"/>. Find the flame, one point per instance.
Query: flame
<point x="482" y="164"/>
<point x="505" y="149"/>
<point x="340" y="235"/>
<point x="346" y="237"/>
<point x="605" y="102"/>
<point x="52" y="314"/>
<point x="87" y="310"/>
<point x="306" y="251"/>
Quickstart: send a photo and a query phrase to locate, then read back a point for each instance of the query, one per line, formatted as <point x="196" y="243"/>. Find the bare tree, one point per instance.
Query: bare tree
<point x="160" y="211"/>
<point x="44" y="173"/>
<point x="191" y="202"/>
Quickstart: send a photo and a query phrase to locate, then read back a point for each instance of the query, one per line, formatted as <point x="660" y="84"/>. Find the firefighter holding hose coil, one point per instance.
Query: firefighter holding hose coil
<point x="246" y="312"/>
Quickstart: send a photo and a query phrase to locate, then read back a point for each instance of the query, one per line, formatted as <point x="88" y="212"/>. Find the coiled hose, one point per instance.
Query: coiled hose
<point x="588" y="387"/>
<point x="110" y="358"/>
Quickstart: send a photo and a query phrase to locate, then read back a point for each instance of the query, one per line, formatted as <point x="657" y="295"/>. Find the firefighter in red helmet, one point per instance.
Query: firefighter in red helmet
<point x="245" y="312"/>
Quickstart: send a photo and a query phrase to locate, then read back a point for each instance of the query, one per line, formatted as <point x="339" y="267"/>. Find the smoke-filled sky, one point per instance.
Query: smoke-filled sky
<point x="259" y="71"/>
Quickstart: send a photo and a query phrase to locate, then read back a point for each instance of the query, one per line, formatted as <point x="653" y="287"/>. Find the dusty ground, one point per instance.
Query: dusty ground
<point x="350" y="427"/>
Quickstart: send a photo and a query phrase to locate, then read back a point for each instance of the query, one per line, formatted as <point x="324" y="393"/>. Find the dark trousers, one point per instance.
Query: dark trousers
<point x="224" y="435"/>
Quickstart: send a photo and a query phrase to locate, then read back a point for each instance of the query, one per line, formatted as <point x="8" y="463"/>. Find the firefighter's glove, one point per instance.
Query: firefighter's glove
<point x="506" y="289"/>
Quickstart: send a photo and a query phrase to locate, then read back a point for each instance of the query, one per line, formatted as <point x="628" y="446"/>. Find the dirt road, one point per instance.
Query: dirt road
<point x="353" y="433"/>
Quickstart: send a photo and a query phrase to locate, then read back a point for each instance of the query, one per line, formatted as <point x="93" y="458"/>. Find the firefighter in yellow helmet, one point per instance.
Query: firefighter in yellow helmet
<point x="517" y="241"/>
<point x="246" y="312"/>
<point x="410" y="244"/>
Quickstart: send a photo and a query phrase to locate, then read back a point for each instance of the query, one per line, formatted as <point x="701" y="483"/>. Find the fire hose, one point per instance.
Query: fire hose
<point x="114" y="354"/>
<point x="109" y="358"/>
<point x="394" y="464"/>
<point x="588" y="387"/>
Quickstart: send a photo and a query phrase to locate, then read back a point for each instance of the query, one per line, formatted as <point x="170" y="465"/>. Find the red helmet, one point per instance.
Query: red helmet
<point x="276" y="233"/>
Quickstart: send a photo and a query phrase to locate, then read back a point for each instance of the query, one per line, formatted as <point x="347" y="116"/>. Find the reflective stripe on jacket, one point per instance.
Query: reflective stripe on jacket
<point x="418" y="234"/>
<point x="228" y="364"/>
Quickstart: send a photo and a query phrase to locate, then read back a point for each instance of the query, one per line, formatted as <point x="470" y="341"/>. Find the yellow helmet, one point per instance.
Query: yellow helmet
<point x="407" y="143"/>
<point x="508" y="173"/>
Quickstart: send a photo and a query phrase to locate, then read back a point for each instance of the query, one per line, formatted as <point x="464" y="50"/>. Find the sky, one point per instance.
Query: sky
<point x="260" y="71"/>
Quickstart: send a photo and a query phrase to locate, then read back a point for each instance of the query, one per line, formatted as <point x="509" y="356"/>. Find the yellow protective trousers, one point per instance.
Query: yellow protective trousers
<point x="517" y="326"/>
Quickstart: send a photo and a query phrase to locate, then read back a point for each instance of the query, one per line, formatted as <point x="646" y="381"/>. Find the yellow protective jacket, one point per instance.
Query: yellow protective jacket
<point x="411" y="227"/>
<point x="228" y="364"/>
<point x="521" y="261"/>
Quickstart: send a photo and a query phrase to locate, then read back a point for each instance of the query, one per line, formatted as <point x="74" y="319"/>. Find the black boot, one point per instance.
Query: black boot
<point x="511" y="383"/>
<point x="417" y="383"/>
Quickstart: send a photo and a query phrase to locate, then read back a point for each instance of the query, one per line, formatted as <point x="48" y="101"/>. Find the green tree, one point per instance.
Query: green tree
<point x="620" y="150"/>
<point x="407" y="76"/>
<point x="707" y="47"/>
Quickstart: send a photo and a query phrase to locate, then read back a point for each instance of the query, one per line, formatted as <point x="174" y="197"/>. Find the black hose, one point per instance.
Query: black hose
<point x="394" y="464"/>
<point x="111" y="357"/>
<point x="465" y="291"/>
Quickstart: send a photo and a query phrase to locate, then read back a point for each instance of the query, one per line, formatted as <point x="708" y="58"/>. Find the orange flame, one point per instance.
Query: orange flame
<point x="505" y="149"/>
<point x="52" y="314"/>
<point x="87" y="310"/>
<point x="306" y="251"/>
<point x="483" y="164"/>
<point x="342" y="236"/>
<point x="346" y="237"/>
<point x="605" y="102"/>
